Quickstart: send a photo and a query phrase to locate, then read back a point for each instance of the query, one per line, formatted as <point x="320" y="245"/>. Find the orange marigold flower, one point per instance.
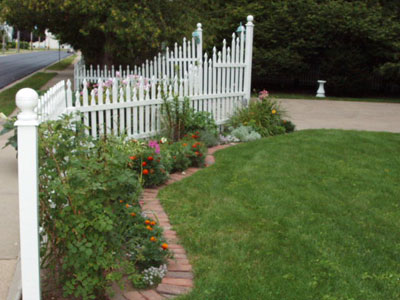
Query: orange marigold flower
<point x="194" y="136"/>
<point x="273" y="111"/>
<point x="145" y="172"/>
<point x="127" y="205"/>
<point x="120" y="201"/>
<point x="144" y="164"/>
<point x="147" y="222"/>
<point x="133" y="214"/>
<point x="149" y="228"/>
<point x="152" y="223"/>
<point x="197" y="153"/>
<point x="194" y="146"/>
<point x="164" y="246"/>
<point x="153" y="239"/>
<point x="132" y="157"/>
<point x="184" y="144"/>
<point x="150" y="158"/>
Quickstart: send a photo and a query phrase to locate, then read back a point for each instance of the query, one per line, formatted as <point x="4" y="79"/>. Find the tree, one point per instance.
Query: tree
<point x="107" y="32"/>
<point x="347" y="43"/>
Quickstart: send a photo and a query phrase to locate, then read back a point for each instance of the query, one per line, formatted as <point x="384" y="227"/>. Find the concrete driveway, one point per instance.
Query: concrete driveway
<point x="313" y="114"/>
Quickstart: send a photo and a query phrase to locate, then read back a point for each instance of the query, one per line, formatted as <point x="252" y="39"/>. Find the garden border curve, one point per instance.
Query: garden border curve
<point x="179" y="278"/>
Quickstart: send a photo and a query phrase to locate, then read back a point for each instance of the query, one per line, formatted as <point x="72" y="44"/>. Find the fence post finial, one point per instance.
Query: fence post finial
<point x="28" y="197"/>
<point x="26" y="100"/>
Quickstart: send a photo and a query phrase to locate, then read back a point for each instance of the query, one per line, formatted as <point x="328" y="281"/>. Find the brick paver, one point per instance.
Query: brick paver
<point x="179" y="278"/>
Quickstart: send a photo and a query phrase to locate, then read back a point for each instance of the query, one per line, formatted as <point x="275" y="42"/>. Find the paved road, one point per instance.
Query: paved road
<point x="313" y="114"/>
<point x="14" y="67"/>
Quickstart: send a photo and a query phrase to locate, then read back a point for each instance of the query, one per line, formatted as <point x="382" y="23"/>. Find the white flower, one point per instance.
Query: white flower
<point x="164" y="140"/>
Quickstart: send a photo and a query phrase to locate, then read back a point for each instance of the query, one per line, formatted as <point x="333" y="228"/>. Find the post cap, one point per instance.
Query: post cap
<point x="250" y="18"/>
<point x="26" y="100"/>
<point x="199" y="26"/>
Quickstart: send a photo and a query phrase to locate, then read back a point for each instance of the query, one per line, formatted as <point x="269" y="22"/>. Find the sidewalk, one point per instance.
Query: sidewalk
<point x="10" y="278"/>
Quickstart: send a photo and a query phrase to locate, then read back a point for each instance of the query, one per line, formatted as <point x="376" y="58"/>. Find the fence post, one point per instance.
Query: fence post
<point x="248" y="57"/>
<point x="27" y="124"/>
<point x="200" y="44"/>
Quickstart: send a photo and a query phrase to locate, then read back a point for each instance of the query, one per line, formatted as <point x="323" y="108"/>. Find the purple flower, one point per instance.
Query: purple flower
<point x="155" y="145"/>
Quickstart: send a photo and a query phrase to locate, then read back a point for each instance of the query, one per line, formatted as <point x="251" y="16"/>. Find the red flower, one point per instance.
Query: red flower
<point x="147" y="222"/>
<point x="197" y="153"/>
<point x="194" y="146"/>
<point x="150" y="158"/>
<point x="164" y="246"/>
<point x="133" y="214"/>
<point x="145" y="172"/>
<point x="197" y="132"/>
<point x="132" y="157"/>
<point x="144" y="164"/>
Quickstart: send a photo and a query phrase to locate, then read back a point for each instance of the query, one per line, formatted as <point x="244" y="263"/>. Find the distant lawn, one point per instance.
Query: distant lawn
<point x="7" y="97"/>
<point x="312" y="97"/>
<point x="310" y="215"/>
<point x="63" y="64"/>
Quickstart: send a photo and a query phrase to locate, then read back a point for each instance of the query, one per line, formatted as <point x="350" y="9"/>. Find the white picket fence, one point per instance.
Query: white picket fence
<point x="169" y="64"/>
<point x="129" y="103"/>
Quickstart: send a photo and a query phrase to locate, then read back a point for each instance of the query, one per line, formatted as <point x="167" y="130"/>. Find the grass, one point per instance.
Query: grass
<point x="310" y="215"/>
<point x="7" y="97"/>
<point x="312" y="97"/>
<point x="63" y="64"/>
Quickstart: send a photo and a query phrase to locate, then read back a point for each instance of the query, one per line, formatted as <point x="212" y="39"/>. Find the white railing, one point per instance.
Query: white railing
<point x="130" y="104"/>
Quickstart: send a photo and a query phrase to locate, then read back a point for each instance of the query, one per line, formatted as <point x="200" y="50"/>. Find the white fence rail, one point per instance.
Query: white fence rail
<point x="128" y="104"/>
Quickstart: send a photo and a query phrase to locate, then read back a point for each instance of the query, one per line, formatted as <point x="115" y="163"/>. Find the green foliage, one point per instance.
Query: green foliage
<point x="107" y="32"/>
<point x="8" y="126"/>
<point x="196" y="151"/>
<point x="93" y="230"/>
<point x="176" y="115"/>
<point x="179" y="119"/>
<point x="346" y="43"/>
<point x="152" y="167"/>
<point x="178" y="156"/>
<point x="61" y="65"/>
<point x="209" y="138"/>
<point x="245" y="134"/>
<point x="263" y="115"/>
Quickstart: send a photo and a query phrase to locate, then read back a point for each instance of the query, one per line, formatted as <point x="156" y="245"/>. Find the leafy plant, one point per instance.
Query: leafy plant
<point x="264" y="115"/>
<point x="176" y="115"/>
<point x="245" y="134"/>
<point x="93" y="228"/>
<point x="7" y="127"/>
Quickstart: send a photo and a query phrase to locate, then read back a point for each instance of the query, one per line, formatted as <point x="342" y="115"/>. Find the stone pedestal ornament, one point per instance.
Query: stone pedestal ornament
<point x="321" y="90"/>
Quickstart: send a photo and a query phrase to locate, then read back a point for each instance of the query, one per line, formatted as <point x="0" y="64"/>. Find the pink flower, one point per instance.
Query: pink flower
<point x="118" y="74"/>
<point x="263" y="94"/>
<point x="155" y="145"/>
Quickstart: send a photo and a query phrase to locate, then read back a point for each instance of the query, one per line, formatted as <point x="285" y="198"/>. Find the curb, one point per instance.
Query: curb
<point x="179" y="278"/>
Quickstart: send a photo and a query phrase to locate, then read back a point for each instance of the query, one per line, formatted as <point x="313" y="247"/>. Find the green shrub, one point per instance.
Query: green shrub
<point x="245" y="134"/>
<point x="93" y="230"/>
<point x="209" y="138"/>
<point x="178" y="156"/>
<point x="196" y="151"/>
<point x="179" y="119"/>
<point x="264" y="115"/>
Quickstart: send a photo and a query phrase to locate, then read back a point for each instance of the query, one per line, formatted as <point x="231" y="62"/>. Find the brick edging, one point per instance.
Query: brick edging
<point x="179" y="278"/>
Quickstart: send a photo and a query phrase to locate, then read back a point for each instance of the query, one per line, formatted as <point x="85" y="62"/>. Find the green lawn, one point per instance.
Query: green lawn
<point x="7" y="97"/>
<point x="63" y="64"/>
<point x="310" y="215"/>
<point x="312" y="97"/>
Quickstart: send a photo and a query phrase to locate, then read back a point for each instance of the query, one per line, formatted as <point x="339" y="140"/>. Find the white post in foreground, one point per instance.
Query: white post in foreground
<point x="27" y="123"/>
<point x="248" y="57"/>
<point x="321" y="90"/>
